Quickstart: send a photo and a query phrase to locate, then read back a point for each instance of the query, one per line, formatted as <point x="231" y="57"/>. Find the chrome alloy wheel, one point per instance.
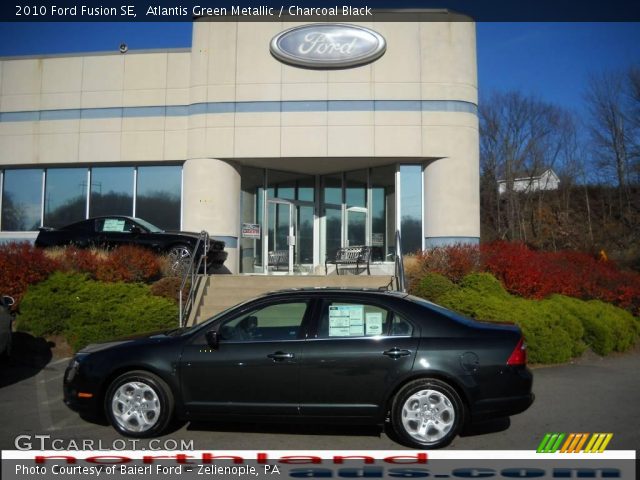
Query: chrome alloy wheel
<point x="179" y="256"/>
<point x="135" y="406"/>
<point x="428" y="415"/>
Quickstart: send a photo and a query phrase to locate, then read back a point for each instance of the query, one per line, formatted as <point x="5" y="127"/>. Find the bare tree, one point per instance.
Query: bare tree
<point x="520" y="137"/>
<point x="633" y="82"/>
<point x="610" y="128"/>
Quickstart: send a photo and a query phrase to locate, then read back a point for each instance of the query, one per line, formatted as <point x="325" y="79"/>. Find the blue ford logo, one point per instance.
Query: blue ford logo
<point x="328" y="45"/>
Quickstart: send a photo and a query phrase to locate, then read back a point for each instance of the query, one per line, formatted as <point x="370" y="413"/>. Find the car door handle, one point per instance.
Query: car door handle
<point x="277" y="356"/>
<point x="396" y="353"/>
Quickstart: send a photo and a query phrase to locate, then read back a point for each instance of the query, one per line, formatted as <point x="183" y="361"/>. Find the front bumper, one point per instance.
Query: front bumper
<point x="73" y="388"/>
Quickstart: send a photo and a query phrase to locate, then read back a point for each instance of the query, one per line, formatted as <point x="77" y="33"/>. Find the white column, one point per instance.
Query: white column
<point x="452" y="193"/>
<point x="211" y="201"/>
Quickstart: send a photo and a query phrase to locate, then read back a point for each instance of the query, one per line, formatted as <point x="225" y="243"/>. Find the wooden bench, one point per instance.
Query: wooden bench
<point x="278" y="258"/>
<point x="351" y="256"/>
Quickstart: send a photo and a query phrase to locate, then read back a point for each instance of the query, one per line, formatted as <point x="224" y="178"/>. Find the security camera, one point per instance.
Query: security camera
<point x="123" y="48"/>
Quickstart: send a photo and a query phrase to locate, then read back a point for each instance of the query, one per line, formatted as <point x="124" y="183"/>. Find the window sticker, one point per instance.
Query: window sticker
<point x="374" y="323"/>
<point x="346" y="320"/>
<point x="113" y="225"/>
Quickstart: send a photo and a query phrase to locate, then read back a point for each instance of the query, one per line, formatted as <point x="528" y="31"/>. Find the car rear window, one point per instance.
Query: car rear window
<point x="360" y="319"/>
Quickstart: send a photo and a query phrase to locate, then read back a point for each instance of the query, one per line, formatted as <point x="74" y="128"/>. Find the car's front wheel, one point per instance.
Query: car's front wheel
<point x="139" y="404"/>
<point x="427" y="413"/>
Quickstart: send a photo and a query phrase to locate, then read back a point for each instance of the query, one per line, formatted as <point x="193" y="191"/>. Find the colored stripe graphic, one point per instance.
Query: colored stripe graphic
<point x="598" y="442"/>
<point x="574" y="443"/>
<point x="550" y="443"/>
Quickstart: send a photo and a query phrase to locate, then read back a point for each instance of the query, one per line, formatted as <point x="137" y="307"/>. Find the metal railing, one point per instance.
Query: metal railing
<point x="399" y="265"/>
<point x="192" y="277"/>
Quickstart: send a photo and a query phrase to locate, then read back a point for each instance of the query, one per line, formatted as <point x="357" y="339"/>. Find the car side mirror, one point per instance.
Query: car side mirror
<point x="212" y="338"/>
<point x="8" y="301"/>
<point x="136" y="230"/>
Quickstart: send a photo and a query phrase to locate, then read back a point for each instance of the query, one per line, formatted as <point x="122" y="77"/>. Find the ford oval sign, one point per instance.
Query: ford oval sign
<point x="328" y="45"/>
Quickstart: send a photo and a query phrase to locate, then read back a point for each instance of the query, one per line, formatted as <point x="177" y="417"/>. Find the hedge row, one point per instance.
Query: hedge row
<point x="556" y="328"/>
<point x="22" y="264"/>
<point x="534" y="274"/>
<point x="86" y="311"/>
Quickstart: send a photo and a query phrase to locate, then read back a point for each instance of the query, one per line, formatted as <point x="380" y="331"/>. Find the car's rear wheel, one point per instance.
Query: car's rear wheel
<point x="427" y="413"/>
<point x="179" y="257"/>
<point x="139" y="404"/>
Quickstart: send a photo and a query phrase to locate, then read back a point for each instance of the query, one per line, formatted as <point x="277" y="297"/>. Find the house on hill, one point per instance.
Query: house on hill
<point x="547" y="180"/>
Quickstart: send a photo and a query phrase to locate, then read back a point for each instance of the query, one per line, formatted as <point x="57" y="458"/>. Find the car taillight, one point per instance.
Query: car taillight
<point x="519" y="354"/>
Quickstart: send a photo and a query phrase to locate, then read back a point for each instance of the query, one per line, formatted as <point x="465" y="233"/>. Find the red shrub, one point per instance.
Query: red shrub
<point x="516" y="266"/>
<point x="454" y="262"/>
<point x="129" y="264"/>
<point x="169" y="287"/>
<point x="80" y="260"/>
<point x="536" y="274"/>
<point x="22" y="264"/>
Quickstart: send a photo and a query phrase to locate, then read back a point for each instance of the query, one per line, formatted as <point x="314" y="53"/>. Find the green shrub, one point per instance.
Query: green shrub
<point x="485" y="284"/>
<point x="547" y="342"/>
<point x="481" y="296"/>
<point x="556" y="329"/>
<point x="555" y="311"/>
<point x="607" y="328"/>
<point x="87" y="311"/>
<point x="433" y="286"/>
<point x="46" y="306"/>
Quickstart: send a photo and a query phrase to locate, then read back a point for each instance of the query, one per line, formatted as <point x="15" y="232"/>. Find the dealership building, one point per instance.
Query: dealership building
<point x="272" y="136"/>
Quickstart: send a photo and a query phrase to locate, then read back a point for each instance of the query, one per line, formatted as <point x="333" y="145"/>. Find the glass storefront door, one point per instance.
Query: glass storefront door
<point x="294" y="221"/>
<point x="332" y="231"/>
<point x="290" y="236"/>
<point x="356" y="226"/>
<point x="281" y="237"/>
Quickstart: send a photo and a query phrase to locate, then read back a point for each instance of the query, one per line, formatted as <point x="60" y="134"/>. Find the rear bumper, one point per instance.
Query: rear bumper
<point x="501" y="407"/>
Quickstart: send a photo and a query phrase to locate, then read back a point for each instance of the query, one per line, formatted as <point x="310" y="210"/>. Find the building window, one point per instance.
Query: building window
<point x="383" y="218"/>
<point x="411" y="207"/>
<point x="65" y="196"/>
<point x="111" y="191"/>
<point x="331" y="223"/>
<point x="251" y="200"/>
<point x="159" y="190"/>
<point x="356" y="207"/>
<point x="21" y="200"/>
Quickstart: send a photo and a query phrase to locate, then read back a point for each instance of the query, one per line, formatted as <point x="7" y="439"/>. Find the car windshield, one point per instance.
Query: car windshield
<point x="149" y="226"/>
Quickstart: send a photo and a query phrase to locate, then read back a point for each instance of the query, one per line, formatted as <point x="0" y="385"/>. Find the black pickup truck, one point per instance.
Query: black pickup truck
<point x="116" y="230"/>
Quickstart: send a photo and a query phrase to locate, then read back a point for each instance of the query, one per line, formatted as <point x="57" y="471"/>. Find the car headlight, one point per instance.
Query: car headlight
<point x="72" y="368"/>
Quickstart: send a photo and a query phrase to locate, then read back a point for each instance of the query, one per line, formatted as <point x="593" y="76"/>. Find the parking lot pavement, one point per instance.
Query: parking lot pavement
<point x="592" y="394"/>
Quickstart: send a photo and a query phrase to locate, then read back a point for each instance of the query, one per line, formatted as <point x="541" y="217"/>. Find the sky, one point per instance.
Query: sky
<point x="551" y="61"/>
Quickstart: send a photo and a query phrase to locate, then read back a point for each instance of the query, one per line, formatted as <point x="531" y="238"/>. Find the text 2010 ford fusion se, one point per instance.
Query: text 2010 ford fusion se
<point x="321" y="354"/>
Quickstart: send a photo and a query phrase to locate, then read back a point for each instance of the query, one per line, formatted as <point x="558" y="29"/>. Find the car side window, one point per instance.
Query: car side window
<point x="400" y="327"/>
<point x="360" y="319"/>
<point x="277" y="322"/>
<point x="114" y="225"/>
